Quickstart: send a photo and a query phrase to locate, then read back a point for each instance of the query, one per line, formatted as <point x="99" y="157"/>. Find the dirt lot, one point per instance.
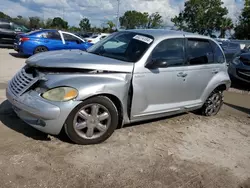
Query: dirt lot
<point x="181" y="151"/>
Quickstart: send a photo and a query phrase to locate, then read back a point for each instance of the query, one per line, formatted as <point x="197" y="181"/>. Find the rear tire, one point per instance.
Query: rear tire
<point x="40" y="49"/>
<point x="213" y="104"/>
<point x="93" y="121"/>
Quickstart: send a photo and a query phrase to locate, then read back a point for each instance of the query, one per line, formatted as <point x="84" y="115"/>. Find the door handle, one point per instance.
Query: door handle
<point x="215" y="71"/>
<point x="181" y="74"/>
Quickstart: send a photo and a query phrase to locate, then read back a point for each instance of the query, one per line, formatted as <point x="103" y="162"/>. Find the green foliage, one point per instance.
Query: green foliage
<point x="134" y="19"/>
<point x="111" y="25"/>
<point x="154" y="20"/>
<point x="59" y="23"/>
<point x="74" y="29"/>
<point x="21" y="21"/>
<point x="226" y="24"/>
<point x="85" y="24"/>
<point x="48" y="23"/>
<point x="34" y="22"/>
<point x="203" y="17"/>
<point x="242" y="30"/>
<point x="4" y="16"/>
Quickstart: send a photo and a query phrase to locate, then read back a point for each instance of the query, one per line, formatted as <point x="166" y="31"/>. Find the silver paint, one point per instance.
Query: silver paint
<point x="154" y="93"/>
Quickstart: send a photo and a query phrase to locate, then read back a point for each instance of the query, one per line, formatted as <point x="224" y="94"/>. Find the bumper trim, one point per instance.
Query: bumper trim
<point x="31" y="104"/>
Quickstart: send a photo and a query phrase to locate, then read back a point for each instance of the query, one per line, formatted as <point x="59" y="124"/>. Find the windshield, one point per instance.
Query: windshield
<point x="125" y="46"/>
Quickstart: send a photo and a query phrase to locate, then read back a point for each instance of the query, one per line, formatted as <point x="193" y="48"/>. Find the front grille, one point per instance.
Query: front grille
<point x="245" y="74"/>
<point x="21" y="82"/>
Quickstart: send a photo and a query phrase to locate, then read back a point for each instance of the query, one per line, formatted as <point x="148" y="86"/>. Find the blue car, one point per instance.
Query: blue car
<point x="48" y="40"/>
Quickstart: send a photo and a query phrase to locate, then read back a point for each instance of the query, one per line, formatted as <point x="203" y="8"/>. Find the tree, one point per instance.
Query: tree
<point x="21" y="21"/>
<point x="59" y="23"/>
<point x="74" y="29"/>
<point x="242" y="30"/>
<point x="134" y="19"/>
<point x="154" y="20"/>
<point x="111" y="25"/>
<point x="203" y="17"/>
<point x="48" y="23"/>
<point x="4" y="16"/>
<point x="85" y="24"/>
<point x="226" y="25"/>
<point x="34" y="22"/>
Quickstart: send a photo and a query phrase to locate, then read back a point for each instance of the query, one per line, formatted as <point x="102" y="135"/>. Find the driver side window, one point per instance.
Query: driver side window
<point x="171" y="51"/>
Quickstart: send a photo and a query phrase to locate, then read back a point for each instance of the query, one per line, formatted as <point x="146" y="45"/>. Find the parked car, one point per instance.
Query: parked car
<point x="84" y="35"/>
<point x="246" y="49"/>
<point x="8" y="32"/>
<point x="239" y="68"/>
<point x="48" y="40"/>
<point x="96" y="38"/>
<point x="231" y="49"/>
<point x="151" y="74"/>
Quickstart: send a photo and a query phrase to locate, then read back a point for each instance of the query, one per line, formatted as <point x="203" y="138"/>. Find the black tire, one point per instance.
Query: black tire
<point x="113" y="123"/>
<point x="40" y="49"/>
<point x="212" y="106"/>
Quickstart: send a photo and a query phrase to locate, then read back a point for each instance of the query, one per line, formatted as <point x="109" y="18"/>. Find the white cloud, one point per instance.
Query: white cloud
<point x="234" y="8"/>
<point x="99" y="11"/>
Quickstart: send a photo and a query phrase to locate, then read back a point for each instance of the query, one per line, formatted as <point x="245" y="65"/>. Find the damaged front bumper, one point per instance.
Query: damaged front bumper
<point x="46" y="116"/>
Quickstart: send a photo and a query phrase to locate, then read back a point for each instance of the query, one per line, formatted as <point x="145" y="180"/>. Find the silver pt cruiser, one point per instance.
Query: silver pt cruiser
<point x="130" y="76"/>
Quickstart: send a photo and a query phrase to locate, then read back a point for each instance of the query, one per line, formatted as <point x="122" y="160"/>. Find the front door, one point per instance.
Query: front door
<point x="159" y="90"/>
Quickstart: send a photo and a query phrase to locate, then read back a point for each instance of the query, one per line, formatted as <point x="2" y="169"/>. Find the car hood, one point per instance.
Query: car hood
<point x="79" y="60"/>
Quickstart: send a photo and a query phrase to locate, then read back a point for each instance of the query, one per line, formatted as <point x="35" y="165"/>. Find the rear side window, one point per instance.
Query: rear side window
<point x="218" y="54"/>
<point x="68" y="37"/>
<point x="170" y="50"/>
<point x="4" y="26"/>
<point x="199" y="52"/>
<point x="53" y="35"/>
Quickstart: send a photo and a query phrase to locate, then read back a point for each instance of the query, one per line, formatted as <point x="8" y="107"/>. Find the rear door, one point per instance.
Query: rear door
<point x="201" y="68"/>
<point x="72" y="41"/>
<point x="53" y="40"/>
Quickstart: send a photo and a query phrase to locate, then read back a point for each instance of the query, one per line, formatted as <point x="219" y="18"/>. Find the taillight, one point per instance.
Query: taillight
<point x="24" y="39"/>
<point x="89" y="40"/>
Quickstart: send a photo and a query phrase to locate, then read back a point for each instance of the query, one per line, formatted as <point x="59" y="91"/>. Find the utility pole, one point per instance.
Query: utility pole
<point x="118" y="13"/>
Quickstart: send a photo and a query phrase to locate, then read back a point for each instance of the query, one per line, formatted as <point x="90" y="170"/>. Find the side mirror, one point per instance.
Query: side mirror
<point x="157" y="63"/>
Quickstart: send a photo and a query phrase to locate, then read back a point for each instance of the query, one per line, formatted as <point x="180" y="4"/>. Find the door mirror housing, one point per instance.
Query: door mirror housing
<point x="156" y="63"/>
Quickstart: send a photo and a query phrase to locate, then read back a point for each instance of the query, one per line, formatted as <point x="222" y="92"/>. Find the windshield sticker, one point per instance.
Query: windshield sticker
<point x="143" y="39"/>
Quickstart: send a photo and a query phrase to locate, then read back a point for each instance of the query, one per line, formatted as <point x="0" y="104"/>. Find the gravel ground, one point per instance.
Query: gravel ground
<point x="187" y="150"/>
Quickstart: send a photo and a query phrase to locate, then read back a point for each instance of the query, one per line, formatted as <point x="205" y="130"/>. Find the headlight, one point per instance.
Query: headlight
<point x="60" y="94"/>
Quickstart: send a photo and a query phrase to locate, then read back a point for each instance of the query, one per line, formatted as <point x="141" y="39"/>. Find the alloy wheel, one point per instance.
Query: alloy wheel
<point x="92" y="121"/>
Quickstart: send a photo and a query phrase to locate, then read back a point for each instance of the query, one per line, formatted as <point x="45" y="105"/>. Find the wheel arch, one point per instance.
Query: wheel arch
<point x="40" y="46"/>
<point x="221" y="87"/>
<point x="117" y="102"/>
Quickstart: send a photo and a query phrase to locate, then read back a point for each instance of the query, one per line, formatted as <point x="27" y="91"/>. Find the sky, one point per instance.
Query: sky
<point x="100" y="11"/>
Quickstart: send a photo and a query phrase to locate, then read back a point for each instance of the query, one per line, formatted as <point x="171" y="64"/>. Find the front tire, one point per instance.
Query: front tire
<point x="93" y="121"/>
<point x="213" y="104"/>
